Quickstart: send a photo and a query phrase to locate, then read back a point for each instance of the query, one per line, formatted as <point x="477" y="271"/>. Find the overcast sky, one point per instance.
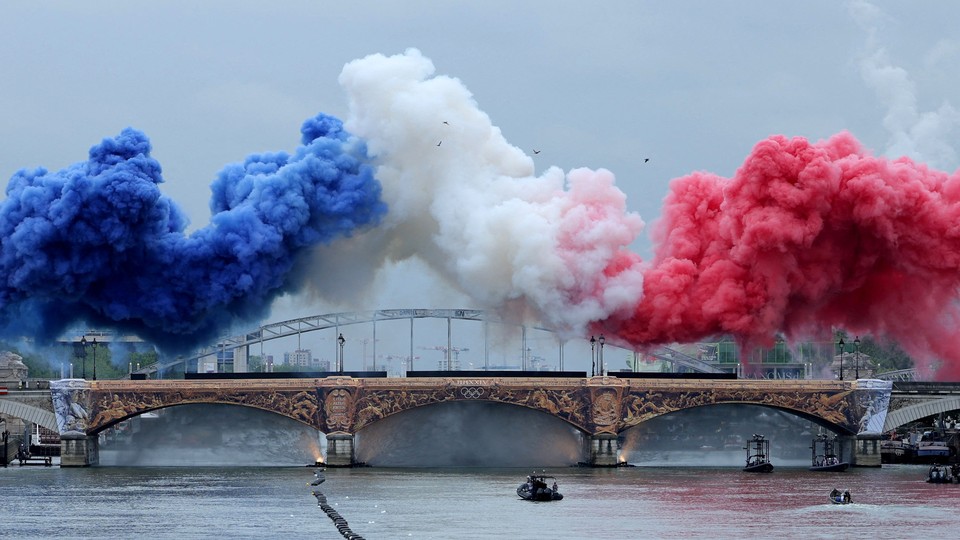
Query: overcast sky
<point x="688" y="85"/>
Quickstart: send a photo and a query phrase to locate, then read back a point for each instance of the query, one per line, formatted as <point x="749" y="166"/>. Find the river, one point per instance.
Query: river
<point x="473" y="503"/>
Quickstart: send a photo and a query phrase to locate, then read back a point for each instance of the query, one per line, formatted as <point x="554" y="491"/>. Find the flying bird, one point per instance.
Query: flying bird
<point x="646" y="160"/>
<point x="535" y="151"/>
<point x="447" y="123"/>
<point x="439" y="143"/>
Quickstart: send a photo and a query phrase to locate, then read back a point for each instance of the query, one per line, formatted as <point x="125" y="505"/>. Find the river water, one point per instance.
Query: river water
<point x="472" y="503"/>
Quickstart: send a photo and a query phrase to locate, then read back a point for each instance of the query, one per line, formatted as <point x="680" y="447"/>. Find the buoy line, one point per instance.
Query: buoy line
<point x="335" y="516"/>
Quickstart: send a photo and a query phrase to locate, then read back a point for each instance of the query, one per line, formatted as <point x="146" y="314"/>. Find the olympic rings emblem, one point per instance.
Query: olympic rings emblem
<point x="471" y="392"/>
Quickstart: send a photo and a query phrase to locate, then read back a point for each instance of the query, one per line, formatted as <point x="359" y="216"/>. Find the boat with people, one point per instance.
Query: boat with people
<point x="536" y="489"/>
<point x="836" y="497"/>
<point x="941" y="474"/>
<point x="758" y="455"/>
<point x="825" y="458"/>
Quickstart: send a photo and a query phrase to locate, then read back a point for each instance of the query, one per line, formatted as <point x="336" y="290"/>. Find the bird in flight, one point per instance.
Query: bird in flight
<point x="439" y="143"/>
<point x="646" y="160"/>
<point x="447" y="123"/>
<point x="535" y="151"/>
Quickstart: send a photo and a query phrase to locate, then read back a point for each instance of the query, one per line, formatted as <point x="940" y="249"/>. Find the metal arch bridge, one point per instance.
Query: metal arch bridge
<point x="314" y="323"/>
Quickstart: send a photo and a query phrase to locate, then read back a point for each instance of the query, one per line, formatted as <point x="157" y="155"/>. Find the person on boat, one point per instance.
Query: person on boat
<point x="554" y="486"/>
<point x="846" y="497"/>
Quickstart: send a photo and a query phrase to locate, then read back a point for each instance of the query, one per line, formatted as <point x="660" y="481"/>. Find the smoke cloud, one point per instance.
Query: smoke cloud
<point x="97" y="242"/>
<point x="805" y="237"/>
<point x="466" y="202"/>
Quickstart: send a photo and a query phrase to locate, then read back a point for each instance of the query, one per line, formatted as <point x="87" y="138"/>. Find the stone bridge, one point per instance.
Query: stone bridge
<point x="600" y="407"/>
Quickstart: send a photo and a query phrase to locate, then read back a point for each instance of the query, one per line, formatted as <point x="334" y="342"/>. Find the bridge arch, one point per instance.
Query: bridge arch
<point x="108" y="418"/>
<point x="369" y="414"/>
<point x="912" y="413"/>
<point x="29" y="413"/>
<point x="797" y="412"/>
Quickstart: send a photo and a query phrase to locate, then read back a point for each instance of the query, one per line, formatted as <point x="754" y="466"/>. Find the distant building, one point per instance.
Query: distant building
<point x="300" y="358"/>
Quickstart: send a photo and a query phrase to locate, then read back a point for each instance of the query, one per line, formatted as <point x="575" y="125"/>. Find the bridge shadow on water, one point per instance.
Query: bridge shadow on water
<point x="451" y="434"/>
<point x="470" y="434"/>
<point x="210" y="435"/>
<point x="717" y="436"/>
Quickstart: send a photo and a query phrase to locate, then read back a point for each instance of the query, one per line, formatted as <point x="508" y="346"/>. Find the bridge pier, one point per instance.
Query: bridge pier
<point x="603" y="450"/>
<point x="340" y="450"/>
<point x="79" y="451"/>
<point x="866" y="451"/>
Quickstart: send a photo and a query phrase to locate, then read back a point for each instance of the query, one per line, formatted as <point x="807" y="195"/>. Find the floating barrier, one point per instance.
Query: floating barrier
<point x="339" y="521"/>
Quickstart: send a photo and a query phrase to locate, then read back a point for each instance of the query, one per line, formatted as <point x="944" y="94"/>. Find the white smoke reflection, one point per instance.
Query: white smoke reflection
<point x="210" y="435"/>
<point x="470" y="434"/>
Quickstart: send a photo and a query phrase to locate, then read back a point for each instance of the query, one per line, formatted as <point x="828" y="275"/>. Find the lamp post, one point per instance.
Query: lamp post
<point x="341" y="341"/>
<point x="602" y="341"/>
<point x="83" y="355"/>
<point x="856" y="368"/>
<point x="841" y="358"/>
<point x="94" y="358"/>
<point x="593" y="356"/>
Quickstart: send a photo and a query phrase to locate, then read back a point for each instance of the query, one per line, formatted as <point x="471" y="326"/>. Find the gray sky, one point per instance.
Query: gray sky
<point x="689" y="85"/>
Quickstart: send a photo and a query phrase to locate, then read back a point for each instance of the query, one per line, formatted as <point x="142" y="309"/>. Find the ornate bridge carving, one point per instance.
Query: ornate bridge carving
<point x="598" y="405"/>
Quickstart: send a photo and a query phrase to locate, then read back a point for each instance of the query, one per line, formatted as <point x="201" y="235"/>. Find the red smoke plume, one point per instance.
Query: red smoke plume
<point x="803" y="238"/>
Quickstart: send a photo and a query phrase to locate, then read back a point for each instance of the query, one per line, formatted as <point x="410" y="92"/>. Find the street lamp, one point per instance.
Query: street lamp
<point x="341" y="341"/>
<point x="83" y="355"/>
<point x="94" y="358"/>
<point x="841" y="358"/>
<point x="856" y="369"/>
<point x="602" y="341"/>
<point x="593" y="356"/>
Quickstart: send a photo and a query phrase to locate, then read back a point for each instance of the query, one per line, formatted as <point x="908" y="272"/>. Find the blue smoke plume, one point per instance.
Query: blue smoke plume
<point x="98" y="243"/>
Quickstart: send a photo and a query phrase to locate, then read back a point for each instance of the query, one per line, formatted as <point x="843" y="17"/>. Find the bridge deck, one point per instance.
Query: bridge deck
<point x="779" y="385"/>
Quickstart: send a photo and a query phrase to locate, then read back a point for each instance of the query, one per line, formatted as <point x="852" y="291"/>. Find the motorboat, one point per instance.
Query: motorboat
<point x="940" y="474"/>
<point x="897" y="451"/>
<point x="824" y="458"/>
<point x="536" y="489"/>
<point x="758" y="455"/>
<point x="932" y="448"/>
<point x="840" y="498"/>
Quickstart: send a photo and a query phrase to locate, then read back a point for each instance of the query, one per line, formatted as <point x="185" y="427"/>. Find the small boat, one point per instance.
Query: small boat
<point x="758" y="455"/>
<point x="939" y="474"/>
<point x="824" y="458"/>
<point x="897" y="450"/>
<point x="840" y="498"/>
<point x="536" y="489"/>
<point x="932" y="448"/>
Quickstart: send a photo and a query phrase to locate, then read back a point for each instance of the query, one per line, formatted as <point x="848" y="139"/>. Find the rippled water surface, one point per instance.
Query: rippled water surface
<point x="636" y="502"/>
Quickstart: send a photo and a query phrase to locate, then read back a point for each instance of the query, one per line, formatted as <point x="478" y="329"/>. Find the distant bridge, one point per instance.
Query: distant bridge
<point x="314" y="323"/>
<point x="912" y="401"/>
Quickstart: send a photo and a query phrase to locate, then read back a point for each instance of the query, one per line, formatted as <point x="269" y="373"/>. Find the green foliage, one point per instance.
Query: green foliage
<point x="886" y="354"/>
<point x="255" y="364"/>
<point x="38" y="366"/>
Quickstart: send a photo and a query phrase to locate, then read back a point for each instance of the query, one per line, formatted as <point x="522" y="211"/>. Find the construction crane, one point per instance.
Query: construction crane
<point x="446" y="364"/>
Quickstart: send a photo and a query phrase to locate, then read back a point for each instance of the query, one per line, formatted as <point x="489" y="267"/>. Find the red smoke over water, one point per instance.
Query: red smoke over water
<point x="806" y="237"/>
